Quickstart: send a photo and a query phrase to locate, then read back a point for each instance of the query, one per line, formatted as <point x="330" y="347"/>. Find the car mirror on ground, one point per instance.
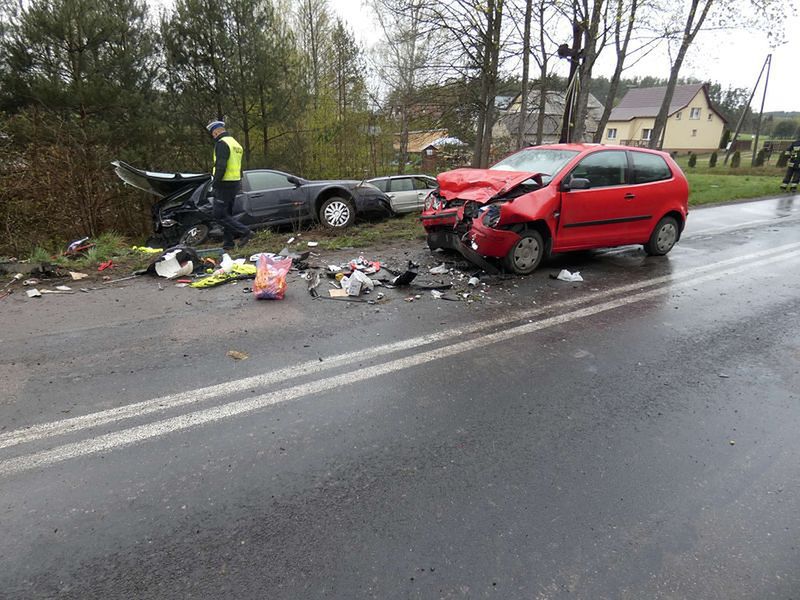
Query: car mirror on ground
<point x="576" y="183"/>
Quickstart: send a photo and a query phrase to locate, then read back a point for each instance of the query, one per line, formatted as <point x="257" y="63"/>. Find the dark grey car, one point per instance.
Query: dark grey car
<point x="183" y="213"/>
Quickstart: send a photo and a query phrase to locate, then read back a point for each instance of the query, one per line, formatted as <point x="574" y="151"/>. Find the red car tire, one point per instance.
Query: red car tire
<point x="526" y="253"/>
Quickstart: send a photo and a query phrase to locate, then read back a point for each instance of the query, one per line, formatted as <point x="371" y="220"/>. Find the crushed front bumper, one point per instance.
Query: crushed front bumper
<point x="451" y="239"/>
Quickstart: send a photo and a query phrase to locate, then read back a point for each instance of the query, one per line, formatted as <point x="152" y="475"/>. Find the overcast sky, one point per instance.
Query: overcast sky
<point x="730" y="58"/>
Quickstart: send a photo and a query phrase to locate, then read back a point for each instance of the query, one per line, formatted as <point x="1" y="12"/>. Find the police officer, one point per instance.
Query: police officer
<point x="227" y="181"/>
<point x="793" y="167"/>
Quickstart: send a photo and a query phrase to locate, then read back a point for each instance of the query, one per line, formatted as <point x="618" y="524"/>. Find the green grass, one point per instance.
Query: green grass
<point x="107" y="246"/>
<point x="708" y="185"/>
<point x="361" y="235"/>
<point x="708" y="188"/>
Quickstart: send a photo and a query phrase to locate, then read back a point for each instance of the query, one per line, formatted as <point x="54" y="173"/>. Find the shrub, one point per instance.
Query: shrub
<point x="726" y="137"/>
<point x="692" y="160"/>
<point x="712" y="160"/>
<point x="736" y="160"/>
<point x="760" y="157"/>
<point x="783" y="160"/>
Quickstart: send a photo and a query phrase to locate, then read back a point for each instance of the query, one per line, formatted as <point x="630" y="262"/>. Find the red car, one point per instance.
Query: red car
<point x="557" y="198"/>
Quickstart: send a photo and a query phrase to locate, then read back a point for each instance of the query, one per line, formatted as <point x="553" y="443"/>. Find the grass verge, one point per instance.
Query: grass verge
<point x="706" y="188"/>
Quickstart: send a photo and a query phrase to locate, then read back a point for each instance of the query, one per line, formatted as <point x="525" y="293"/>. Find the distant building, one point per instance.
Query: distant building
<point x="507" y="125"/>
<point x="434" y="148"/>
<point x="694" y="124"/>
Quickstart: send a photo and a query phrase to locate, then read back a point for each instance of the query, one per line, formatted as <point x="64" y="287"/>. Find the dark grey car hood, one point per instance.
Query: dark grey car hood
<point x="159" y="184"/>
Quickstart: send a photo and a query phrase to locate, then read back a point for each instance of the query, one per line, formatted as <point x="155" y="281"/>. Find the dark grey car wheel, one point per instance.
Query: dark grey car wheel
<point x="526" y="254"/>
<point x="337" y="213"/>
<point x="195" y="235"/>
<point x="663" y="238"/>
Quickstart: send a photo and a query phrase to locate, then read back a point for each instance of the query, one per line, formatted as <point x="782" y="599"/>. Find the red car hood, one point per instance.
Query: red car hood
<point x="481" y="185"/>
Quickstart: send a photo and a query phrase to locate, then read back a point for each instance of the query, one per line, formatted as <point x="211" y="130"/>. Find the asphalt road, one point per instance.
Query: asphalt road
<point x="632" y="436"/>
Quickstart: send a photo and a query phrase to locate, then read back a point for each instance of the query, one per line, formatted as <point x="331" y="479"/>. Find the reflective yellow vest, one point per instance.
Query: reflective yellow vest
<point x="233" y="171"/>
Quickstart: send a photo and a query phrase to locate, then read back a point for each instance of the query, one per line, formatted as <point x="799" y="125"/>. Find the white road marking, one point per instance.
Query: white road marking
<point x="134" y="435"/>
<point x="745" y="225"/>
<point x="313" y="367"/>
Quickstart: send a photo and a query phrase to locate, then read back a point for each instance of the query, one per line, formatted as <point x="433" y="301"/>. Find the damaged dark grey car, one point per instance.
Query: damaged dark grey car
<point x="184" y="212"/>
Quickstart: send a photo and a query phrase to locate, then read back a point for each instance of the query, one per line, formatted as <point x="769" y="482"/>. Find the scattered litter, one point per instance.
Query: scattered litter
<point x="33" y="293"/>
<point x="183" y="281"/>
<point x="109" y="264"/>
<point x="174" y="262"/>
<point x="77" y="276"/>
<point x="270" y="282"/>
<point x="297" y="258"/>
<point x="440" y="270"/>
<point x="334" y="269"/>
<point x="405" y="278"/>
<point x="473" y="281"/>
<point x="78" y="246"/>
<point x="409" y="299"/>
<point x="63" y="288"/>
<point x="723" y="375"/>
<point x="31" y="282"/>
<point x="107" y="278"/>
<point x="160" y="287"/>
<point x="290" y="240"/>
<point x="181" y="284"/>
<point x="255" y="257"/>
<point x="56" y="292"/>
<point x="732" y="442"/>
<point x="565" y="275"/>
<point x="236" y="355"/>
<point x="313" y="284"/>
<point x="14" y="279"/>
<point x="338" y="293"/>
<point x="313" y="244"/>
<point x="147" y="249"/>
<point x="437" y="294"/>
<point x="367" y="266"/>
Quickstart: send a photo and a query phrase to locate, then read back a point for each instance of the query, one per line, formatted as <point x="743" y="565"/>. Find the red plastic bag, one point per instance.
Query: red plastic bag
<point x="270" y="283"/>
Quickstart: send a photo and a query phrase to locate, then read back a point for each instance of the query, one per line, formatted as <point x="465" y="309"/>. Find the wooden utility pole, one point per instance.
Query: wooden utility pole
<point x="744" y="112"/>
<point x="768" y="64"/>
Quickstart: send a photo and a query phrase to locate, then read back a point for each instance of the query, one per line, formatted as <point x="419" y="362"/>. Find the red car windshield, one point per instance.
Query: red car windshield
<point x="537" y="160"/>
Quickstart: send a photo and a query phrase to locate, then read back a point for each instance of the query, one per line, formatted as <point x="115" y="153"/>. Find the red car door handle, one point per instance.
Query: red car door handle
<point x="630" y="196"/>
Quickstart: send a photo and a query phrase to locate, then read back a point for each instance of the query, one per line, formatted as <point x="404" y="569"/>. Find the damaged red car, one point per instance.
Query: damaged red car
<point x="558" y="198"/>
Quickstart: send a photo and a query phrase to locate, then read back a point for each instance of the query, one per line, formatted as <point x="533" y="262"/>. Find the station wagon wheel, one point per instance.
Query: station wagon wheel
<point x="663" y="238"/>
<point x="337" y="213"/>
<point x="195" y="235"/>
<point x="526" y="254"/>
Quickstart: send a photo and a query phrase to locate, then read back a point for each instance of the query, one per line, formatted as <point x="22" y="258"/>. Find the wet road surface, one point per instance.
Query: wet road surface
<point x="631" y="436"/>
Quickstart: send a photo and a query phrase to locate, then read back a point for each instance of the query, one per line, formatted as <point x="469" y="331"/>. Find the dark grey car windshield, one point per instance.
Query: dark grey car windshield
<point x="537" y="160"/>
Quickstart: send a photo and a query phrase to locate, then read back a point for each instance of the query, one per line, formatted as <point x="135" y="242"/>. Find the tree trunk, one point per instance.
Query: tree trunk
<point x="526" y="58"/>
<point x="689" y="33"/>
<point x="590" y="53"/>
<point x="622" y="53"/>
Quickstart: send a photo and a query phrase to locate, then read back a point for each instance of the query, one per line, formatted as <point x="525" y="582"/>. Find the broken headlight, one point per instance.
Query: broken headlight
<point x="491" y="216"/>
<point x="429" y="201"/>
<point x="471" y="210"/>
<point x="168" y="222"/>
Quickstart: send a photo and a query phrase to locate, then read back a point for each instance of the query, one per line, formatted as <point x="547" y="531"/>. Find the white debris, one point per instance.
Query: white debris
<point x="440" y="270"/>
<point x="565" y="275"/>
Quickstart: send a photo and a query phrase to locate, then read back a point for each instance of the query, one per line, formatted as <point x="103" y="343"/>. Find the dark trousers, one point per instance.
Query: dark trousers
<point x="792" y="175"/>
<point x="224" y="197"/>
